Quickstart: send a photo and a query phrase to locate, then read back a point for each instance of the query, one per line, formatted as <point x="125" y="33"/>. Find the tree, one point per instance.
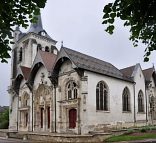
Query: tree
<point x="4" y="119"/>
<point x="15" y="13"/>
<point x="139" y="15"/>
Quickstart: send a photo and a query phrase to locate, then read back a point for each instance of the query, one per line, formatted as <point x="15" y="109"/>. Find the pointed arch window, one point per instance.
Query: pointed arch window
<point x="20" y="54"/>
<point x="72" y="91"/>
<point x="140" y="101"/>
<point x="126" y="100"/>
<point x="25" y="100"/>
<point x="101" y="96"/>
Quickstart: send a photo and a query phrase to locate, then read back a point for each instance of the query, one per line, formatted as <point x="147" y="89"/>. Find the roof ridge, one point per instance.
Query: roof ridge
<point x="128" y="67"/>
<point x="148" y="68"/>
<point x="88" y="56"/>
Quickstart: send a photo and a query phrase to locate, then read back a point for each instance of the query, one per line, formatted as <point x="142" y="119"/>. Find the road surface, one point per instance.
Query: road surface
<point x="4" y="140"/>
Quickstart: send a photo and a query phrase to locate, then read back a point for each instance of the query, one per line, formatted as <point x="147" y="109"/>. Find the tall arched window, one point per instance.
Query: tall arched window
<point x="20" y="54"/>
<point x="126" y="100"/>
<point x="25" y="99"/>
<point x="140" y="101"/>
<point x="101" y="96"/>
<point x="72" y="90"/>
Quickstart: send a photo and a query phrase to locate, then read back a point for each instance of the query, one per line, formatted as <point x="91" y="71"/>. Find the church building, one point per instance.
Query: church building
<point x="65" y="91"/>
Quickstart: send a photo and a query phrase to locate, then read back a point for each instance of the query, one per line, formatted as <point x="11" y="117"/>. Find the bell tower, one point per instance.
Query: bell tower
<point x="25" y="48"/>
<point x="27" y="45"/>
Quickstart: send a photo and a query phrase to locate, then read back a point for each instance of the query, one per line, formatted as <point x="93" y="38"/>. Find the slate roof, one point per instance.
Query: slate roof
<point x="48" y="59"/>
<point x="93" y="64"/>
<point x="148" y="73"/>
<point x="38" y="28"/>
<point x="21" y="35"/>
<point x="128" y="71"/>
<point x="25" y="71"/>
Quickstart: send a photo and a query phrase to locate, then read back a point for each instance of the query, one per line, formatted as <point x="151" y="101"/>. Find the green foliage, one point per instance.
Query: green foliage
<point x="143" y="130"/>
<point x="4" y="119"/>
<point x="129" y="131"/>
<point x="130" y="137"/>
<point x="15" y="13"/>
<point x="153" y="128"/>
<point x="4" y="125"/>
<point x="139" y="15"/>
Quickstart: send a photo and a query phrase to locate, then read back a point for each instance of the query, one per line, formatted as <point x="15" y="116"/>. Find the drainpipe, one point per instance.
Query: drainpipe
<point x="134" y="103"/>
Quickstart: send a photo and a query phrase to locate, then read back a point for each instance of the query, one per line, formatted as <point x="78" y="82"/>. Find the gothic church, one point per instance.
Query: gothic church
<point x="66" y="91"/>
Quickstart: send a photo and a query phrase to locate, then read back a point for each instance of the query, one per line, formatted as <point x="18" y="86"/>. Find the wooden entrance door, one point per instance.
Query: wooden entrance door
<point x="72" y="118"/>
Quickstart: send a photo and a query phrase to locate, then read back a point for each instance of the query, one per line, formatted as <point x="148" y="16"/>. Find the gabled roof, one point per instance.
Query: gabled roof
<point x="128" y="71"/>
<point x="89" y="63"/>
<point x="25" y="71"/>
<point x="48" y="59"/>
<point x="148" y="73"/>
<point x="42" y="58"/>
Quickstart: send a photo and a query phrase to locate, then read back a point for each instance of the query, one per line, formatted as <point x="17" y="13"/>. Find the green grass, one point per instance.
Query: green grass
<point x="130" y="137"/>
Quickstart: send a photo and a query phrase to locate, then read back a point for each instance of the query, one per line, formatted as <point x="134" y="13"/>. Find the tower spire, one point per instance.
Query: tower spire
<point x="36" y="27"/>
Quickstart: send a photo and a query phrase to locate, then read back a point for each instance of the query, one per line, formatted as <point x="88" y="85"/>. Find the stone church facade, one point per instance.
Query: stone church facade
<point x="66" y="91"/>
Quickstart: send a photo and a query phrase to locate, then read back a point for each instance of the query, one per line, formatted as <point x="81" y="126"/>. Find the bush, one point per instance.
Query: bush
<point x="129" y="131"/>
<point x="144" y="129"/>
<point x="4" y="119"/>
<point x="153" y="128"/>
<point x="4" y="124"/>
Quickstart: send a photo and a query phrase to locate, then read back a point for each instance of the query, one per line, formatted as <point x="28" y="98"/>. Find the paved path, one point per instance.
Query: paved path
<point x="4" y="140"/>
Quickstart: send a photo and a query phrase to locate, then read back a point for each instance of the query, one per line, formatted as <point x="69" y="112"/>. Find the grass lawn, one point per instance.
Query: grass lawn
<point x="131" y="137"/>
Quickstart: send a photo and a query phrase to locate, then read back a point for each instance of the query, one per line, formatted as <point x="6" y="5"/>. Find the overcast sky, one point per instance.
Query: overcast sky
<point x="78" y="24"/>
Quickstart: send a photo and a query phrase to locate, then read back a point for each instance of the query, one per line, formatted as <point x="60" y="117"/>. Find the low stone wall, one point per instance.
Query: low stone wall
<point x="93" y="136"/>
<point x="3" y="133"/>
<point x="107" y="128"/>
<point x="54" y="137"/>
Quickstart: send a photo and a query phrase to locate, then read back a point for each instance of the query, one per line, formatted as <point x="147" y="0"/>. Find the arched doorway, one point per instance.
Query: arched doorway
<point x="72" y="118"/>
<point x="42" y="110"/>
<point x="48" y="117"/>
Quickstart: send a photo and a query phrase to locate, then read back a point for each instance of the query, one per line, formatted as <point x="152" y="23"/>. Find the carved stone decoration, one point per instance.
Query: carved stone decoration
<point x="42" y="100"/>
<point x="24" y="99"/>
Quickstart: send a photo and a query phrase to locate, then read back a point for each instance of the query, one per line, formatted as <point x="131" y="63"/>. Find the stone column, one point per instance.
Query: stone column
<point x="44" y="117"/>
<point x="79" y="119"/>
